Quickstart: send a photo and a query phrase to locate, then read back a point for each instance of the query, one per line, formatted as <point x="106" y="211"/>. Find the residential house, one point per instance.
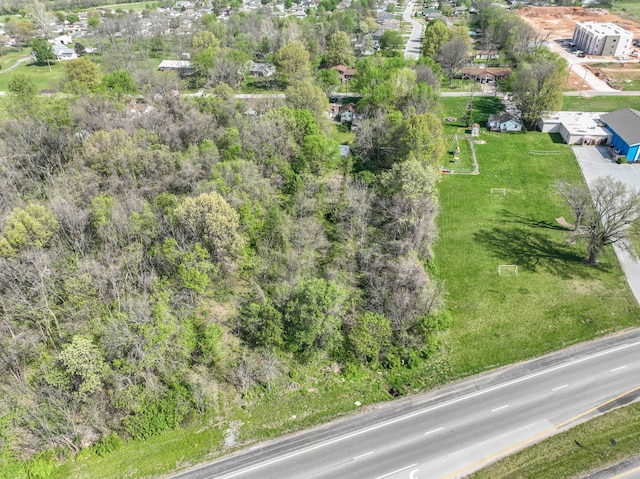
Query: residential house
<point x="265" y="70"/>
<point x="63" y="52"/>
<point x="333" y="112"/>
<point x="624" y="125"/>
<point x="504" y="122"/>
<point x="485" y="75"/>
<point x="345" y="73"/>
<point x="347" y="113"/>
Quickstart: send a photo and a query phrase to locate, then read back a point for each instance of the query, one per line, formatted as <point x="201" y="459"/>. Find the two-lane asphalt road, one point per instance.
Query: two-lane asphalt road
<point x="458" y="429"/>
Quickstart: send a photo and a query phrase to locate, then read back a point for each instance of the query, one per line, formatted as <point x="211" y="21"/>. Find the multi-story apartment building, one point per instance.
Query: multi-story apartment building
<point x="606" y="39"/>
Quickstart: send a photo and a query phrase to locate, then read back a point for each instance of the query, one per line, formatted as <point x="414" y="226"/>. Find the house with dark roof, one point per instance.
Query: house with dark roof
<point x="504" y="122"/>
<point x="625" y="128"/>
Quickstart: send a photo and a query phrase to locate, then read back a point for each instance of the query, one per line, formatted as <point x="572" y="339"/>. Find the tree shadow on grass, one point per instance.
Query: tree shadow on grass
<point x="533" y="251"/>
<point x="510" y="217"/>
<point x="485" y="106"/>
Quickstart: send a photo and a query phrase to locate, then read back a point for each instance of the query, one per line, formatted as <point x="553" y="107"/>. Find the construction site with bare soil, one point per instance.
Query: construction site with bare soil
<point x="560" y="22"/>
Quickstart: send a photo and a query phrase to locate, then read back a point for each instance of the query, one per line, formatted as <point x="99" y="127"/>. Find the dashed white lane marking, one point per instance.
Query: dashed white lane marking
<point x="435" y="430"/>
<point x="560" y="387"/>
<point x="363" y="455"/>
<point x="498" y="408"/>
<point x="618" y="369"/>
<point x="396" y="472"/>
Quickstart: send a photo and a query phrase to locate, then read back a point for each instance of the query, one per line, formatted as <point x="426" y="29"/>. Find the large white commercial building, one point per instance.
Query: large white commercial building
<point x="606" y="39"/>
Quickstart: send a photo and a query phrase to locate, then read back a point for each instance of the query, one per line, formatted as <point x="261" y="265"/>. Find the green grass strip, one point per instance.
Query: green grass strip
<point x="561" y="456"/>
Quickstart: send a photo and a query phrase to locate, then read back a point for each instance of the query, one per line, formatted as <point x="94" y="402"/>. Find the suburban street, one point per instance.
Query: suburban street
<point x="414" y="43"/>
<point x="453" y="431"/>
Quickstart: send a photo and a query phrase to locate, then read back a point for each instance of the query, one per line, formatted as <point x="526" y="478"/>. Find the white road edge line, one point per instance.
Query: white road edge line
<point x="618" y="369"/>
<point x="363" y="455"/>
<point x="426" y="410"/>
<point x="498" y="408"/>
<point x="560" y="387"/>
<point x="435" y="430"/>
<point x="395" y="472"/>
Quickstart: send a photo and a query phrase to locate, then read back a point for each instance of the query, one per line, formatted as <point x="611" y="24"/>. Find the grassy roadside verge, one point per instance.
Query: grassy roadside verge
<point x="560" y="456"/>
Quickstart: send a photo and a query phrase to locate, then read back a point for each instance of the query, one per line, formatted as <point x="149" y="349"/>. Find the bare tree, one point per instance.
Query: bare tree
<point x="610" y="218"/>
<point x="452" y="56"/>
<point x="578" y="199"/>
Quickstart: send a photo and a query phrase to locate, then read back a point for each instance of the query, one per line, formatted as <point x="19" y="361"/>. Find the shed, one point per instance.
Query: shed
<point x="504" y="122"/>
<point x="624" y="125"/>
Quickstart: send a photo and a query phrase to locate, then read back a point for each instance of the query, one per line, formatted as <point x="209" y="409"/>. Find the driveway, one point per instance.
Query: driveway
<point x="595" y="163"/>
<point x="575" y="64"/>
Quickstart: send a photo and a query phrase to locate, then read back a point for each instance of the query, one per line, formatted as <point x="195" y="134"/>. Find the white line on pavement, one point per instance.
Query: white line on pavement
<point x="395" y="472"/>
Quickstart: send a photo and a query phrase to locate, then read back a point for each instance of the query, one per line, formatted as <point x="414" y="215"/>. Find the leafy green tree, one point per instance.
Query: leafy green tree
<point x="339" y="50"/>
<point x="118" y="84"/>
<point x="391" y="40"/>
<point x="313" y="317"/>
<point x="411" y="179"/>
<point x="210" y="218"/>
<point x="370" y="336"/>
<point x="293" y="62"/>
<point x="537" y="87"/>
<point x="32" y="227"/>
<point x="317" y="154"/>
<point x="81" y="367"/>
<point x="305" y="94"/>
<point x="21" y="86"/>
<point x="328" y="78"/>
<point x="83" y="75"/>
<point x="262" y="325"/>
<point x="436" y="35"/>
<point x="22" y="31"/>
<point x="73" y="18"/>
<point x="421" y="138"/>
<point x="43" y="51"/>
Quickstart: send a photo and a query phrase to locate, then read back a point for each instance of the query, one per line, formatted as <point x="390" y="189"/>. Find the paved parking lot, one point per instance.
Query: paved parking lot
<point x="594" y="163"/>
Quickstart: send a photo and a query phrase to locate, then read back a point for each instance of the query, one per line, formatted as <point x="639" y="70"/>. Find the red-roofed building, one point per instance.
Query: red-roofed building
<point x="345" y="73"/>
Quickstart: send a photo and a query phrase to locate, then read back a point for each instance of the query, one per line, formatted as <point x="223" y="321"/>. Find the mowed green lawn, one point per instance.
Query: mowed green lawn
<point x="555" y="300"/>
<point x="41" y="76"/>
<point x="600" y="103"/>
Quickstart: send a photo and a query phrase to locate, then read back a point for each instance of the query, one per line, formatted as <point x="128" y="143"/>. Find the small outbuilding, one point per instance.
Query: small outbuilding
<point x="624" y="126"/>
<point x="504" y="122"/>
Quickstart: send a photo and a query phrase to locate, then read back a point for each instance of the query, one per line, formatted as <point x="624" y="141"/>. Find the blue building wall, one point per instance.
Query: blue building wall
<point x="631" y="152"/>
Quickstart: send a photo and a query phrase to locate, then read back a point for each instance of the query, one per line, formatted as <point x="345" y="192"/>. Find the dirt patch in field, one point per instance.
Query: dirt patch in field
<point x="617" y="75"/>
<point x="574" y="81"/>
<point x="561" y="21"/>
